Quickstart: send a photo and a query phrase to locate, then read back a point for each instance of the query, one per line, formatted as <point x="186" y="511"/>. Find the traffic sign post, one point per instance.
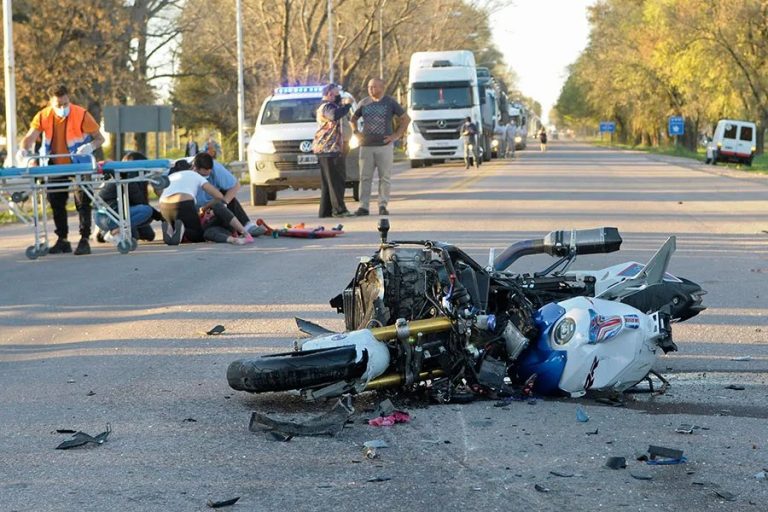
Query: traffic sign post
<point x="676" y="127"/>
<point x="609" y="127"/>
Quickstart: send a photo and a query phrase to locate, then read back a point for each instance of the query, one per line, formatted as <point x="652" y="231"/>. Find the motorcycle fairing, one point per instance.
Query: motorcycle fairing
<point x="368" y="348"/>
<point x="547" y="363"/>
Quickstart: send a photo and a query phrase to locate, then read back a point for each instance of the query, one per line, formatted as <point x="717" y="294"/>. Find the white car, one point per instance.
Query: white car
<point x="280" y="149"/>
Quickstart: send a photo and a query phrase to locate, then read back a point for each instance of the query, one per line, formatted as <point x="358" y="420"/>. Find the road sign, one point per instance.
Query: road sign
<point x="607" y="126"/>
<point x="676" y="125"/>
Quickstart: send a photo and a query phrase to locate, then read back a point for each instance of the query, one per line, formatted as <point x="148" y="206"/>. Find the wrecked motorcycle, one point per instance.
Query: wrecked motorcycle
<point x="424" y="314"/>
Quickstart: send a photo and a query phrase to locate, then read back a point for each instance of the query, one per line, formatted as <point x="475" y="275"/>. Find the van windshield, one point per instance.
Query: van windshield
<point x="298" y="110"/>
<point x="432" y="96"/>
<point x="746" y="133"/>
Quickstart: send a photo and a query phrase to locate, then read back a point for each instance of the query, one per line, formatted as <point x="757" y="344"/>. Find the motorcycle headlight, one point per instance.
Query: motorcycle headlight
<point x="518" y="139"/>
<point x="354" y="142"/>
<point x="564" y="331"/>
<point x="495" y="143"/>
<point x="264" y="146"/>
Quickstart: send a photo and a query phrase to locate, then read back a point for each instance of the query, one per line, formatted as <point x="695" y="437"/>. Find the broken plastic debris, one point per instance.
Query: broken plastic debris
<point x="81" y="439"/>
<point x="760" y="476"/>
<point x="379" y="479"/>
<point x="685" y="428"/>
<point x="616" y="462"/>
<point x="727" y="496"/>
<point x="65" y="431"/>
<point x="640" y="476"/>
<point x="661" y="451"/>
<point x="274" y="435"/>
<point x="593" y="433"/>
<point x="217" y="329"/>
<point x="329" y="423"/>
<point x="563" y="474"/>
<point x="735" y="387"/>
<point x="581" y="415"/>
<point x="388" y="421"/>
<point x="225" y="503"/>
<point x="370" y="453"/>
<point x="541" y="488"/>
<point x="376" y="443"/>
<point x="742" y="358"/>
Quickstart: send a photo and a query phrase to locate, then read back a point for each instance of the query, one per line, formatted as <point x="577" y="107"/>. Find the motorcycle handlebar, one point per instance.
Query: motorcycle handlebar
<point x="561" y="243"/>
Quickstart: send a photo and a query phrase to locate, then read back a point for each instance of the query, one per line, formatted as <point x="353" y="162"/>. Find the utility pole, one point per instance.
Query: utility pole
<point x="330" y="41"/>
<point x="381" y="38"/>
<point x="10" y="84"/>
<point x="240" y="83"/>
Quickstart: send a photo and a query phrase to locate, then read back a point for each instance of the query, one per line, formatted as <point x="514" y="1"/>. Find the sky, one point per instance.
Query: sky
<point x="539" y="39"/>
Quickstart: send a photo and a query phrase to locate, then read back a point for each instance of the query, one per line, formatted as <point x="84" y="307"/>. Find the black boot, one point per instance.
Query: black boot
<point x="83" y="247"/>
<point x="61" y="246"/>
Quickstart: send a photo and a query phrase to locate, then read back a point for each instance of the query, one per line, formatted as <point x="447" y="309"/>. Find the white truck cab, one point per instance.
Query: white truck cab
<point x="733" y="141"/>
<point x="280" y="149"/>
<point x="442" y="92"/>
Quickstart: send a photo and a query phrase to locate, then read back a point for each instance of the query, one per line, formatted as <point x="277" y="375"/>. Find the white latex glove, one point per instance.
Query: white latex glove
<point x="21" y="157"/>
<point x="85" y="149"/>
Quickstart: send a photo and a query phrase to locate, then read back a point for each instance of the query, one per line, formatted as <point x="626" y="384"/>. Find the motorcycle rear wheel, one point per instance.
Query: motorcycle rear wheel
<point x="296" y="370"/>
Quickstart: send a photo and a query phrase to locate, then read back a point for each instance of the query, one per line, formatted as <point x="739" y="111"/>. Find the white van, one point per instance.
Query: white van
<point x="280" y="150"/>
<point x="733" y="141"/>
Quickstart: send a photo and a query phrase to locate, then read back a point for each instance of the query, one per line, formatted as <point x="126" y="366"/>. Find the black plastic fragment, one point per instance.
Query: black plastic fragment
<point x="65" y="431"/>
<point x="563" y="474"/>
<point x="328" y="424"/>
<point x="727" y="496"/>
<point x="225" y="503"/>
<point x="379" y="479"/>
<point x="217" y="329"/>
<point x="274" y="435"/>
<point x="641" y="476"/>
<point x="81" y="439"/>
<point x="541" y="488"/>
<point x="735" y="387"/>
<point x="596" y="431"/>
<point x="616" y="462"/>
<point x="667" y="453"/>
<point x="312" y="328"/>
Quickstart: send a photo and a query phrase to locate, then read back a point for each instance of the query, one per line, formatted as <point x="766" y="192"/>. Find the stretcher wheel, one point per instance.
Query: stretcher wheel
<point x="42" y="250"/>
<point x="134" y="244"/>
<point x="19" y="197"/>
<point x="124" y="246"/>
<point x="32" y="252"/>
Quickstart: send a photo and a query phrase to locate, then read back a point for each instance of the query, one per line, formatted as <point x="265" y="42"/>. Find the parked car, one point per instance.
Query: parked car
<point x="280" y="149"/>
<point x="733" y="141"/>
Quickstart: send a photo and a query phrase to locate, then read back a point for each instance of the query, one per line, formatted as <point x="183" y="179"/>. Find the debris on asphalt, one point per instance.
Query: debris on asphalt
<point x="492" y="373"/>
<point x="727" y="496"/>
<point x="81" y="439"/>
<point x="370" y="453"/>
<point x="760" y="476"/>
<point x="189" y="420"/>
<point x="613" y="402"/>
<point x="383" y="408"/>
<point x="742" y="358"/>
<point x="379" y="479"/>
<point x="376" y="443"/>
<point x="685" y="428"/>
<point x="581" y="415"/>
<point x="90" y="393"/>
<point x="274" y="435"/>
<point x="563" y="474"/>
<point x="541" y="488"/>
<point x="388" y="421"/>
<point x="663" y="452"/>
<point x="594" y="433"/>
<point x="616" y="462"/>
<point x="640" y="476"/>
<point x="329" y="423"/>
<point x="311" y="328"/>
<point x="225" y="503"/>
<point x="65" y="431"/>
<point x="735" y="387"/>
<point x="217" y="329"/>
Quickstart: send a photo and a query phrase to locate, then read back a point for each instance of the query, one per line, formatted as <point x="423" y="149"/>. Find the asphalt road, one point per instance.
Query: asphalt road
<point x="110" y="339"/>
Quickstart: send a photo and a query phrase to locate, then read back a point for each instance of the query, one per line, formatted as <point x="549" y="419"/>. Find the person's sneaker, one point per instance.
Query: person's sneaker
<point x="83" y="247"/>
<point x="362" y="212"/>
<point x="167" y="233"/>
<point x="99" y="236"/>
<point x="383" y="210"/>
<point x="145" y="233"/>
<point x="61" y="246"/>
<point x="241" y="240"/>
<point x="109" y="237"/>
<point x="178" y="233"/>
<point x="256" y="230"/>
<point x="345" y="213"/>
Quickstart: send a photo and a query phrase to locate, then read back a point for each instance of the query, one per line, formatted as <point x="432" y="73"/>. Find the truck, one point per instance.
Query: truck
<point x="280" y="150"/>
<point x="519" y="114"/>
<point x="442" y="92"/>
<point x="489" y="111"/>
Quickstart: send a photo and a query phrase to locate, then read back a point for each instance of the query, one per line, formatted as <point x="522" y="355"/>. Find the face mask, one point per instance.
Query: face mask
<point x="61" y="112"/>
<point x="337" y="99"/>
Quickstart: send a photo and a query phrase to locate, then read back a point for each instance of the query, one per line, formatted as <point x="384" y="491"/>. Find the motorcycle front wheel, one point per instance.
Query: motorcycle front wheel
<point x="296" y="370"/>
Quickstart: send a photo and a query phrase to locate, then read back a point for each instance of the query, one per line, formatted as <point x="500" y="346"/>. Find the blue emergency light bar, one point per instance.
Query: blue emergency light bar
<point x="299" y="89"/>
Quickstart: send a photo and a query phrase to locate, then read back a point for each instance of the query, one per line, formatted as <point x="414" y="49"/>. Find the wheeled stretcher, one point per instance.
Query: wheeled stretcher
<point x="17" y="184"/>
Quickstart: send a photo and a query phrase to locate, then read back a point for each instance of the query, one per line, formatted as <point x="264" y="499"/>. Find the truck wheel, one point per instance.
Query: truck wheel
<point x="272" y="195"/>
<point x="259" y="196"/>
<point x="416" y="164"/>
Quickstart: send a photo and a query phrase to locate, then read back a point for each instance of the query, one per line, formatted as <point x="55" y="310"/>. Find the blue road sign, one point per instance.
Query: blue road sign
<point x="676" y="125"/>
<point x="607" y="126"/>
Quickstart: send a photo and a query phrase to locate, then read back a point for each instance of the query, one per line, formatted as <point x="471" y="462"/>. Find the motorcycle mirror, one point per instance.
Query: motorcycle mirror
<point x="383" y="228"/>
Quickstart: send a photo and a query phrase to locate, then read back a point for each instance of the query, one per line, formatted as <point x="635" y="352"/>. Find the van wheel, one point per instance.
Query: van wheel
<point x="259" y="196"/>
<point x="415" y="164"/>
<point x="748" y="162"/>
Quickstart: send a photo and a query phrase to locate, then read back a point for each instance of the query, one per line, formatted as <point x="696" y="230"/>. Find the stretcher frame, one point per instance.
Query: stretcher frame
<point x="34" y="182"/>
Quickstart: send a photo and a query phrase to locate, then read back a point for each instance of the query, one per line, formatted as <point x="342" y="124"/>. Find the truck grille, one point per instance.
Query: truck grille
<point x="430" y="130"/>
